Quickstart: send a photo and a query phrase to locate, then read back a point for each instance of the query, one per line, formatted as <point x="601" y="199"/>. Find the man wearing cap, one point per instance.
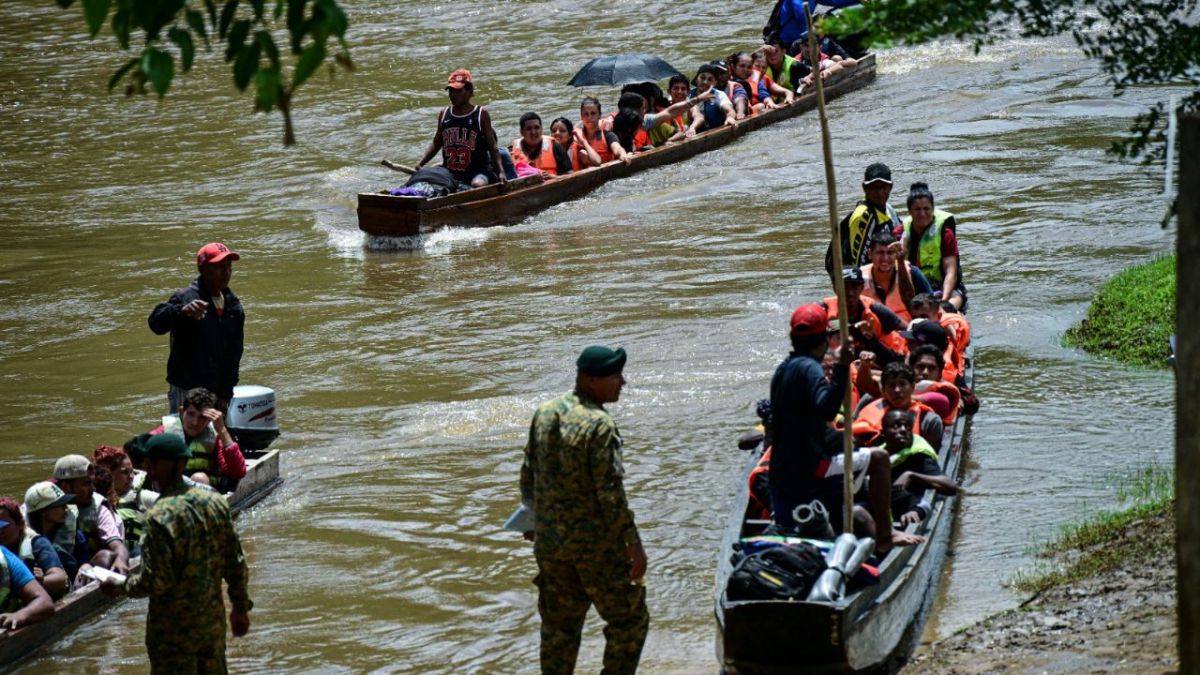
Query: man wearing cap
<point x="90" y="514"/>
<point x="465" y="136"/>
<point x="189" y="546"/>
<point x="587" y="546"/>
<point x="206" y="324"/>
<point x="869" y="217"/>
<point x="874" y="327"/>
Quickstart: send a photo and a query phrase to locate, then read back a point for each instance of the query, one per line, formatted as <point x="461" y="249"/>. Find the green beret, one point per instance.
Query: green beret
<point x="167" y="446"/>
<point x="600" y="361"/>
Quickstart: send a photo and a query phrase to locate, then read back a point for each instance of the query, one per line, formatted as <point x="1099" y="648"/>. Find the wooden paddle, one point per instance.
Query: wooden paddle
<point x="398" y="167"/>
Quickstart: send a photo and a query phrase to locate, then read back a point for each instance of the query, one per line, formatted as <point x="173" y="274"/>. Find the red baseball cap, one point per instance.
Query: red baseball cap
<point x="459" y="79"/>
<point x="809" y="320"/>
<point x="215" y="253"/>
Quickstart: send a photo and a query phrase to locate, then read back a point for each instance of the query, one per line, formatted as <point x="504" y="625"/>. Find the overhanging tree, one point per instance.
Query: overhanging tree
<point x="169" y="31"/>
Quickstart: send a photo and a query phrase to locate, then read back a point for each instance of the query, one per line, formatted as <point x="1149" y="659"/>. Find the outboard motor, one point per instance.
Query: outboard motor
<point x="251" y="418"/>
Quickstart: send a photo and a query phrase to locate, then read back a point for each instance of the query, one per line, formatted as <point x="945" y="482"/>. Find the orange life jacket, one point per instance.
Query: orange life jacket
<point x="545" y="159"/>
<point x="960" y="331"/>
<point x="893" y="300"/>
<point x="892" y="341"/>
<point x="868" y="426"/>
<point x="756" y="508"/>
<point x="598" y="143"/>
<point x="946" y="389"/>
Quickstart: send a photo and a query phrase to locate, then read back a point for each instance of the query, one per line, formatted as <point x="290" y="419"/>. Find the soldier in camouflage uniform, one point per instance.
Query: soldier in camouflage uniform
<point x="585" y="541"/>
<point x="188" y="547"/>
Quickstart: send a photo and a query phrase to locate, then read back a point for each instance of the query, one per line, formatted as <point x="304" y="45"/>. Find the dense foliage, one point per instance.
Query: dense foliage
<point x="169" y="31"/>
<point x="1154" y="42"/>
<point x="1133" y="316"/>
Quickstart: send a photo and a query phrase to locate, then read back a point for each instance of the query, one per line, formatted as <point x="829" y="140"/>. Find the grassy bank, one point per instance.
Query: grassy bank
<point x="1141" y="533"/>
<point x="1132" y="316"/>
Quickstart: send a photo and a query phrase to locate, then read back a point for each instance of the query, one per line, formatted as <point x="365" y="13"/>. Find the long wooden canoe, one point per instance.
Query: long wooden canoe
<point x="872" y="628"/>
<point x="389" y="216"/>
<point x="262" y="477"/>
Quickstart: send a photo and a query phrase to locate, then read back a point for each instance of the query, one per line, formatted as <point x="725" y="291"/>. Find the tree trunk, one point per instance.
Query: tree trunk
<point x="1187" y="393"/>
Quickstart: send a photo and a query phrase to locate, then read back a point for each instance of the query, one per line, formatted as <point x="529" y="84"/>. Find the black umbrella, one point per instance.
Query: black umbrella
<point x="615" y="71"/>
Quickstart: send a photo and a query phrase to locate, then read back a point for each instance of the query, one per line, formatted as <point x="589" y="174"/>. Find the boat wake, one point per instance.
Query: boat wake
<point x="437" y="243"/>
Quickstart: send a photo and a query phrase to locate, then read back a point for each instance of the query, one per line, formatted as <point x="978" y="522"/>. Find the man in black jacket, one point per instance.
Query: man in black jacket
<point x="206" y="324"/>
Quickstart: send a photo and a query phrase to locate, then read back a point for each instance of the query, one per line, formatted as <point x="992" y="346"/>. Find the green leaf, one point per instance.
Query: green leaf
<point x="335" y="18"/>
<point x="159" y="67"/>
<point x="245" y="65"/>
<point x="264" y="39"/>
<point x="212" y="12"/>
<point x="187" y="50"/>
<point x="237" y="38"/>
<point x="266" y="84"/>
<point x="64" y="3"/>
<point x="226" y="17"/>
<point x="259" y="6"/>
<point x="94" y="12"/>
<point x="310" y="59"/>
<point x="196" y="22"/>
<point x="112" y="82"/>
<point x="295" y="23"/>
<point x="121" y="26"/>
<point x="279" y="4"/>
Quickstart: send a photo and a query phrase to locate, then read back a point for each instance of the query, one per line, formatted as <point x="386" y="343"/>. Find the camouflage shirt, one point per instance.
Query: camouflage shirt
<point x="188" y="547"/>
<point x="572" y="475"/>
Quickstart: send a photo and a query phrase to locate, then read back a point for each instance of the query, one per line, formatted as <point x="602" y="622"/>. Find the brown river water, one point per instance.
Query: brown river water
<point x="406" y="377"/>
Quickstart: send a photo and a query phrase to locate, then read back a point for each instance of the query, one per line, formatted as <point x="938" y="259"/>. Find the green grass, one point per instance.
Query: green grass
<point x="1143" y="530"/>
<point x="1132" y="316"/>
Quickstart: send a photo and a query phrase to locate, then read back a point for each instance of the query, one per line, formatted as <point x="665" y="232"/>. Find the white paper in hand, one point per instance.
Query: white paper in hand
<point x="521" y="520"/>
<point x="100" y="574"/>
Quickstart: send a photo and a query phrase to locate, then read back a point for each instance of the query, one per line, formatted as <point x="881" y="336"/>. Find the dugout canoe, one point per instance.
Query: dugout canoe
<point x="871" y="629"/>
<point x="262" y="477"/>
<point x="381" y="214"/>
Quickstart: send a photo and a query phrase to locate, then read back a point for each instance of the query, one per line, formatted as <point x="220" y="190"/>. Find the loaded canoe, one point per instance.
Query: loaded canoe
<point x="262" y="477"/>
<point x="381" y="214"/>
<point x="871" y="628"/>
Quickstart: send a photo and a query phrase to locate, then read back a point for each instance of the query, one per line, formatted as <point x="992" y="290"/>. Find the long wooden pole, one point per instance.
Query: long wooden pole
<point x="839" y="283"/>
<point x="1187" y="391"/>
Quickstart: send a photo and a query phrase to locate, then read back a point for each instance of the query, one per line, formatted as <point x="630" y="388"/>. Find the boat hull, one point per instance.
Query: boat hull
<point x="262" y="477"/>
<point x="390" y="216"/>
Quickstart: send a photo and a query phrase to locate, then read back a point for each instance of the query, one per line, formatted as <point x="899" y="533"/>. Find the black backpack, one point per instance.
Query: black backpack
<point x="779" y="573"/>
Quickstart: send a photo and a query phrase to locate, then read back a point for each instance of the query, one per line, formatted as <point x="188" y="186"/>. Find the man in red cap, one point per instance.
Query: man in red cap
<point x="206" y="323"/>
<point x="465" y="136"/>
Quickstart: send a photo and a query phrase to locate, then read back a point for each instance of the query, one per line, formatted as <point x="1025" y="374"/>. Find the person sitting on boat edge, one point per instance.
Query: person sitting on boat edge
<point x="35" y="550"/>
<point x="930" y="237"/>
<point x="708" y="112"/>
<point x="925" y="332"/>
<point x="870" y="216"/>
<point x="758" y="87"/>
<point x="915" y="469"/>
<point x="946" y="315"/>
<point x="465" y="137"/>
<point x="873" y="327"/>
<point x="735" y="91"/>
<point x="537" y="150"/>
<point x="778" y="95"/>
<point x="564" y="133"/>
<point x="889" y="278"/>
<point x="135" y="448"/>
<point x="216" y="458"/>
<point x="605" y="143"/>
<point x="783" y="70"/>
<point x="931" y="388"/>
<point x="678" y="89"/>
<point x="46" y="510"/>
<point x="802" y="405"/>
<point x="92" y="516"/>
<point x="23" y="601"/>
<point x="641" y="136"/>
<point x="897" y="383"/>
<point x="655" y="132"/>
<point x="133" y="497"/>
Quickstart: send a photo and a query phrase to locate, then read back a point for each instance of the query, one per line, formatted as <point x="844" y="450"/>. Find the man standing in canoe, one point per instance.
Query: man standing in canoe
<point x="586" y="543"/>
<point x="869" y="217"/>
<point x="465" y="136"/>
<point x="189" y="546"/>
<point x="206" y="323"/>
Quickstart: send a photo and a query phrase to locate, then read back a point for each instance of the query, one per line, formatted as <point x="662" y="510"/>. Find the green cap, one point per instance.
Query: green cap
<point x="601" y="361"/>
<point x="167" y="446"/>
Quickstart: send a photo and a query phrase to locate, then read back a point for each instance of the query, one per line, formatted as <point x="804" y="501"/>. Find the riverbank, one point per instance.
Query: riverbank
<point x="1132" y="316"/>
<point x="1105" y="604"/>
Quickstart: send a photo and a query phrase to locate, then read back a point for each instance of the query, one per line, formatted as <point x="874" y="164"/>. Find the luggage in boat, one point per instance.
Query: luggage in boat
<point x="780" y="573"/>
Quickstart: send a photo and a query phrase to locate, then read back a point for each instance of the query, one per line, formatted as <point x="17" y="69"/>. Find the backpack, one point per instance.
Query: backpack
<point x="780" y="573"/>
<point x="771" y="30"/>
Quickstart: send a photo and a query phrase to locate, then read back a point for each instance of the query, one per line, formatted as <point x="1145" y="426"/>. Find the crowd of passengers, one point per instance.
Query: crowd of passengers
<point x="91" y="511"/>
<point x="723" y="92"/>
<point x="904" y="367"/>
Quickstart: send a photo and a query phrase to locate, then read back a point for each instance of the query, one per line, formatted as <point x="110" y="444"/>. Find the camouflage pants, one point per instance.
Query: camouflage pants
<point x="567" y="586"/>
<point x="188" y="655"/>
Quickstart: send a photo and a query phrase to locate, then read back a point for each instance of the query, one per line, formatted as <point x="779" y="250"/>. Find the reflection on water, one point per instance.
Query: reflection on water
<point x="406" y="377"/>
